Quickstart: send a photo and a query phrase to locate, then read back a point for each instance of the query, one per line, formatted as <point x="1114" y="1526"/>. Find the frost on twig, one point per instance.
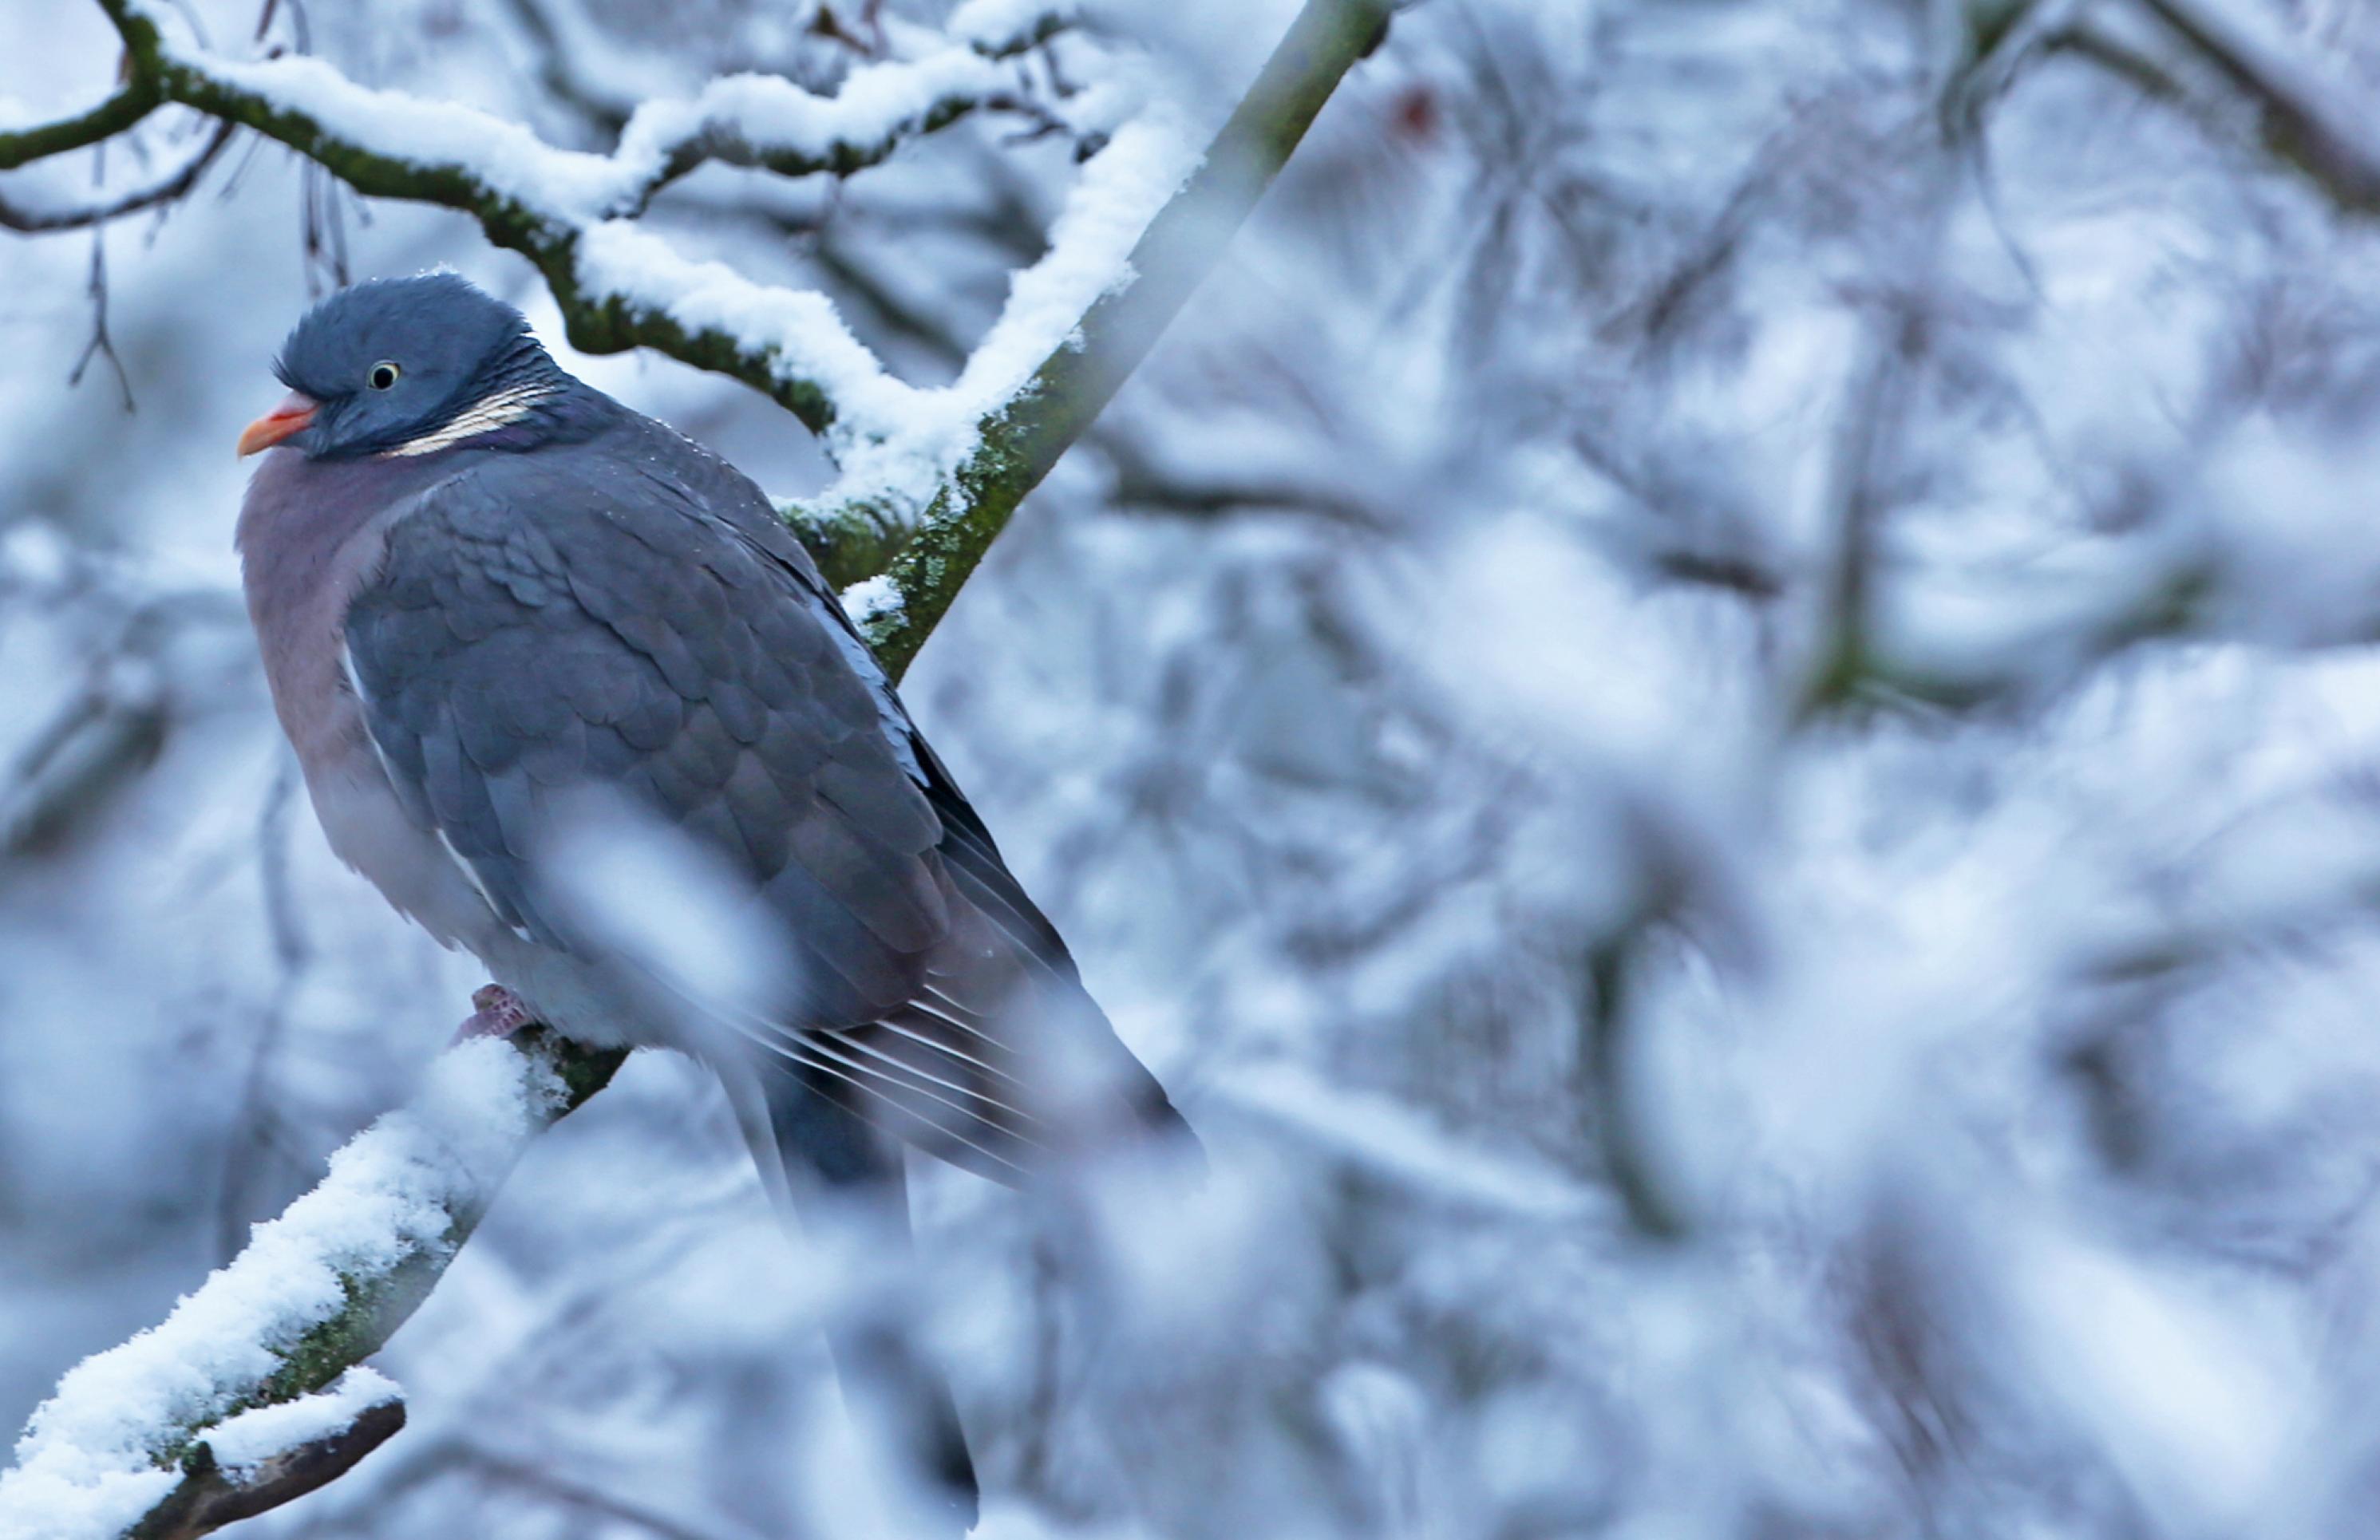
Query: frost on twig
<point x="250" y="1393"/>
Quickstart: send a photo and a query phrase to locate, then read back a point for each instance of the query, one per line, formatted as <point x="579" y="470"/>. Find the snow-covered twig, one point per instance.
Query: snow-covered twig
<point x="550" y="204"/>
<point x="251" y="1392"/>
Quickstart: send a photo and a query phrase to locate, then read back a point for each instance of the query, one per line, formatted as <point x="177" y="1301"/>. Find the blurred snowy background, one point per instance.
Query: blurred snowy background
<point x="1713" y="709"/>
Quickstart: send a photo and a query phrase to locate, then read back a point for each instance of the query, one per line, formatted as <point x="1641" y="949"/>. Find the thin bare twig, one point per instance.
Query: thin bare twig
<point x="101" y="345"/>
<point x="167" y="189"/>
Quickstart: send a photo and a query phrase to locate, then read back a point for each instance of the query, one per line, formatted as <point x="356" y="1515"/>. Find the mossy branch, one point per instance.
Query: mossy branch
<point x="363" y="1227"/>
<point x="1020" y="443"/>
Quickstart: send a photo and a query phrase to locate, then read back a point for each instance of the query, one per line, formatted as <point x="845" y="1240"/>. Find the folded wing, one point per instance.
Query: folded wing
<point x="639" y="625"/>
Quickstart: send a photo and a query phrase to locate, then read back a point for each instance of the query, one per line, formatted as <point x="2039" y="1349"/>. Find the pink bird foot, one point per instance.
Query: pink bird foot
<point x="496" y="1013"/>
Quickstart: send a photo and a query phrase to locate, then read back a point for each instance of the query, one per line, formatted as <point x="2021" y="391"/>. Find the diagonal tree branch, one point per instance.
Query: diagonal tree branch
<point x="210" y="1496"/>
<point x="230" y="1407"/>
<point x="1020" y="442"/>
<point x="2302" y="119"/>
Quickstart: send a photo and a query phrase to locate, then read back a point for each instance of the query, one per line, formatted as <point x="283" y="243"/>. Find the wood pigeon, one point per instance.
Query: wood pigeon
<point x="498" y="609"/>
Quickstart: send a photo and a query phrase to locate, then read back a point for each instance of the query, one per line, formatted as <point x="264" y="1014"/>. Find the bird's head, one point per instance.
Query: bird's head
<point x="403" y="366"/>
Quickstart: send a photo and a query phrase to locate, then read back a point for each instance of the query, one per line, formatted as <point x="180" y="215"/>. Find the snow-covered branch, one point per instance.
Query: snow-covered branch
<point x="564" y="210"/>
<point x="1026" y="430"/>
<point x="252" y="1392"/>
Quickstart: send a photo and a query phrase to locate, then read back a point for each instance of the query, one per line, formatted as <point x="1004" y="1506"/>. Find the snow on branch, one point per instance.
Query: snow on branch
<point x="1030" y="425"/>
<point x="251" y="1392"/>
<point x="1146" y="219"/>
<point x="545" y="202"/>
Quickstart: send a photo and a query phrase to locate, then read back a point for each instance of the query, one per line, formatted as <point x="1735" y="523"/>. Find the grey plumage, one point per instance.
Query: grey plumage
<point x="626" y="611"/>
<point x="484" y="603"/>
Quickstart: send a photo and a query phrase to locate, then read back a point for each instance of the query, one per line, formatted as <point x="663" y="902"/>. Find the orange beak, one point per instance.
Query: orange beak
<point x="295" y="413"/>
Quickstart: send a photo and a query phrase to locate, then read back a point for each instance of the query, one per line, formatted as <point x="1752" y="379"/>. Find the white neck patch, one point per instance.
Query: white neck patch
<point x="506" y="405"/>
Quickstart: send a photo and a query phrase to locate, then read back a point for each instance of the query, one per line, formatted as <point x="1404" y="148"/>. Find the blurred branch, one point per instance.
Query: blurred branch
<point x="251" y="1129"/>
<point x="1614" y="1087"/>
<point x="1023" y="439"/>
<point x="1675" y="893"/>
<point x="315" y="1293"/>
<point x="558" y="72"/>
<point x="2302" y="119"/>
<point x="2092" y="40"/>
<point x="548" y="1483"/>
<point x="1144" y="481"/>
<point x="1845" y="659"/>
<point x="104" y="736"/>
<point x="1843" y="655"/>
<point x="110" y="732"/>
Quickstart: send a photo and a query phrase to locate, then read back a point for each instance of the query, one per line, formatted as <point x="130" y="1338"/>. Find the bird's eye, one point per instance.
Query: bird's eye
<point x="384" y="374"/>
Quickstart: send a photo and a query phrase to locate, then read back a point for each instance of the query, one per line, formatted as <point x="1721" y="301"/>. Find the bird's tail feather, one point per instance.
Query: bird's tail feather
<point x="839" y="1170"/>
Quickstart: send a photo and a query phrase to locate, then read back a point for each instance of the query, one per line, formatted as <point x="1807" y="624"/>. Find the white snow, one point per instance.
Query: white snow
<point x="248" y="1440"/>
<point x="763" y="114"/>
<point x="566" y="185"/>
<point x="871" y="597"/>
<point x="1117" y="193"/>
<point x="995" y="25"/>
<point x="86" y="1463"/>
<point x="798" y="326"/>
<point x="768" y="112"/>
<point x="1090" y="254"/>
<point x="893" y="440"/>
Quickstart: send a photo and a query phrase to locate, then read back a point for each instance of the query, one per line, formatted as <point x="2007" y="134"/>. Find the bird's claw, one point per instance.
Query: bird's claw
<point x="496" y="1012"/>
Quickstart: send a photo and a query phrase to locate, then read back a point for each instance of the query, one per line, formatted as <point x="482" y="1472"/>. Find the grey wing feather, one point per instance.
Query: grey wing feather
<point x="643" y="623"/>
<point x="540" y="628"/>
